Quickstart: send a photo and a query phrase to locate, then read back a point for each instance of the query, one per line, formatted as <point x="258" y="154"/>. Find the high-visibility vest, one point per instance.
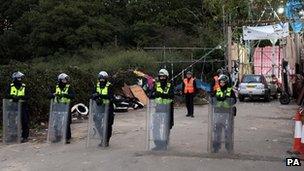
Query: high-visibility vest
<point x="217" y="84"/>
<point x="17" y="92"/>
<point x="62" y="92"/>
<point x="103" y="91"/>
<point x="226" y="93"/>
<point x="159" y="89"/>
<point x="189" y="87"/>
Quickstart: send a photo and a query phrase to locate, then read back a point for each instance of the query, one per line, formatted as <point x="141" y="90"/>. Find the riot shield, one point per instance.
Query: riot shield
<point x="221" y="125"/>
<point x="158" y="120"/>
<point x="58" y="121"/>
<point x="11" y="121"/>
<point x="98" y="124"/>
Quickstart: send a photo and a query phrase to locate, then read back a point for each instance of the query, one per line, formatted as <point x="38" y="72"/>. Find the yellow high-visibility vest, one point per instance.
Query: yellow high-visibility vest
<point x="227" y="92"/>
<point x="103" y="91"/>
<point x="160" y="100"/>
<point x="17" y="92"/>
<point x="62" y="92"/>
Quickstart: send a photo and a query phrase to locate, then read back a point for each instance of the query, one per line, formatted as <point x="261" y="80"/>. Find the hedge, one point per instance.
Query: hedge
<point x="39" y="82"/>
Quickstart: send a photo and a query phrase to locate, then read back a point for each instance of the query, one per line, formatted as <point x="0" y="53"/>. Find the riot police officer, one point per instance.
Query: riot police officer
<point x="17" y="91"/>
<point x="163" y="93"/>
<point x="224" y="114"/>
<point x="64" y="94"/>
<point x="103" y="94"/>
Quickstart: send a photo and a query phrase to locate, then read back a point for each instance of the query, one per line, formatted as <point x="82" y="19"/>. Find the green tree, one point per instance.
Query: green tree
<point x="36" y="28"/>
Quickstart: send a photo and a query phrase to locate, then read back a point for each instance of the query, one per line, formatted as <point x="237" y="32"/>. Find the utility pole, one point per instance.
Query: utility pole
<point x="225" y="32"/>
<point x="273" y="41"/>
<point x="224" y="21"/>
<point x="229" y="57"/>
<point x="273" y="56"/>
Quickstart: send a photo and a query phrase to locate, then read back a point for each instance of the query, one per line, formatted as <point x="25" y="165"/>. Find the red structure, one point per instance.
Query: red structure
<point x="262" y="59"/>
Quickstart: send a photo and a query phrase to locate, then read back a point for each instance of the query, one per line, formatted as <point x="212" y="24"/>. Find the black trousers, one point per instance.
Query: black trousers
<point x="189" y="103"/>
<point x="171" y="115"/>
<point x="110" y="121"/>
<point x="68" y="131"/>
<point x="25" y="121"/>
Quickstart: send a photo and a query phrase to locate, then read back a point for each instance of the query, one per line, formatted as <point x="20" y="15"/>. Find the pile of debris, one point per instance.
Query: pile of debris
<point x="131" y="97"/>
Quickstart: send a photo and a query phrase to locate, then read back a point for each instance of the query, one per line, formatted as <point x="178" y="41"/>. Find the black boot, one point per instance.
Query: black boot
<point x="68" y="141"/>
<point x="104" y="145"/>
<point x="216" y="147"/>
<point x="57" y="139"/>
<point x="158" y="145"/>
<point x="107" y="144"/>
<point x="24" y="140"/>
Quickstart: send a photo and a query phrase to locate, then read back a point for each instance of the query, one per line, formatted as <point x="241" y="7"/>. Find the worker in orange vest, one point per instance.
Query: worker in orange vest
<point x="215" y="82"/>
<point x="189" y="90"/>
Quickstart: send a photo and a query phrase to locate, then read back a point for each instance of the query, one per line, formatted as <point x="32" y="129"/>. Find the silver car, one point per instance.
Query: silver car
<point x="254" y="87"/>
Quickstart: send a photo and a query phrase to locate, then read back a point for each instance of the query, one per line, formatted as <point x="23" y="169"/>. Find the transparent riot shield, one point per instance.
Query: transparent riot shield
<point x="98" y="124"/>
<point x="221" y="125"/>
<point x="58" y="121"/>
<point x="158" y="129"/>
<point x="11" y="121"/>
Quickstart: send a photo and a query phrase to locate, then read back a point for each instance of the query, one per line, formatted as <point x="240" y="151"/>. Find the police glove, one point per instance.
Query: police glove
<point x="99" y="102"/>
<point x="220" y="98"/>
<point x="164" y="96"/>
<point x="103" y="96"/>
<point x="66" y="95"/>
<point x="58" y="95"/>
<point x="95" y="96"/>
<point x="51" y="96"/>
<point x="167" y="96"/>
<point x="15" y="99"/>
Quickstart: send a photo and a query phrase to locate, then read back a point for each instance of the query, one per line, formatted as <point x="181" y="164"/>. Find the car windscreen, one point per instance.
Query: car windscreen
<point x="252" y="79"/>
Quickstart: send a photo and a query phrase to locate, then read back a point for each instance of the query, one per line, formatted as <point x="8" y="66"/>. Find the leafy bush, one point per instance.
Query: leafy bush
<point x="39" y="83"/>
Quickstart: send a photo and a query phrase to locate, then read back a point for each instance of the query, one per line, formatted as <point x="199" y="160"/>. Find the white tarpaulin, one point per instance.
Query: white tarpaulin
<point x="273" y="32"/>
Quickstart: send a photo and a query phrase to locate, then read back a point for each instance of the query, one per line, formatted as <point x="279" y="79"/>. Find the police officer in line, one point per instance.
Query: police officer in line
<point x="225" y="90"/>
<point x="189" y="90"/>
<point x="163" y="92"/>
<point x="17" y="91"/>
<point x="64" y="94"/>
<point x="222" y="94"/>
<point x="103" y="93"/>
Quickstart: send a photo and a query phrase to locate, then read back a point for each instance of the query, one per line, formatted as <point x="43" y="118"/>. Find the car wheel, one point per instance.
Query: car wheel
<point x="241" y="98"/>
<point x="284" y="99"/>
